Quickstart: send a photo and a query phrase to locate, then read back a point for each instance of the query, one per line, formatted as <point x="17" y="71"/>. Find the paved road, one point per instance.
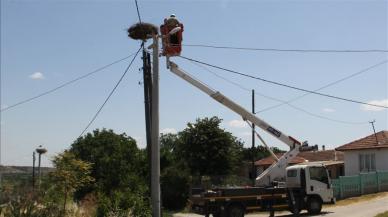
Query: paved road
<point x="361" y="209"/>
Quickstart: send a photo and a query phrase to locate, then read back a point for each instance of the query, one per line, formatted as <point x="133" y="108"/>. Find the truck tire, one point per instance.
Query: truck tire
<point x="295" y="209"/>
<point x="314" y="205"/>
<point x="236" y="210"/>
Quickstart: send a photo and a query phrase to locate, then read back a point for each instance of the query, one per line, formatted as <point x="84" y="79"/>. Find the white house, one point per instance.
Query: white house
<point x="368" y="154"/>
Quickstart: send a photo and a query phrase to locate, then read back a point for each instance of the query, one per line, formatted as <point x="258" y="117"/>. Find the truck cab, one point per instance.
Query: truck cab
<point x="310" y="185"/>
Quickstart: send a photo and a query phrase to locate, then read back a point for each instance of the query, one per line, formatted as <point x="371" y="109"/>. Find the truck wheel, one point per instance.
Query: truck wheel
<point x="295" y="209"/>
<point x="314" y="205"/>
<point x="236" y="210"/>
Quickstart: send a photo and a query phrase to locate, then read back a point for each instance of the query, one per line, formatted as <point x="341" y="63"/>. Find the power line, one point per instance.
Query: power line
<point x="281" y="84"/>
<point x="138" y="12"/>
<point x="111" y="93"/>
<point x="287" y="50"/>
<point x="65" y="84"/>
<point x="325" y="86"/>
<point x="279" y="100"/>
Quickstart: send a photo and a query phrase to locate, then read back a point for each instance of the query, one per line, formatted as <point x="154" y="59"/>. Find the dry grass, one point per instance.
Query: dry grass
<point x="384" y="214"/>
<point x="362" y="198"/>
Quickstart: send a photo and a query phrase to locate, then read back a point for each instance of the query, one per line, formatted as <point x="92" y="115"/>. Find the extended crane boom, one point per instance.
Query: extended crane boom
<point x="277" y="170"/>
<point x="246" y="115"/>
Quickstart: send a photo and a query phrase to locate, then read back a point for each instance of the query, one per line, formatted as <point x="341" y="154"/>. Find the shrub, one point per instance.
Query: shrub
<point x="175" y="188"/>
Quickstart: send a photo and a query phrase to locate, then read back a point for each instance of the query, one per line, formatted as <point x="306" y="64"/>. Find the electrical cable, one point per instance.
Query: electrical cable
<point x="65" y="84"/>
<point x="287" y="50"/>
<point x="111" y="93"/>
<point x="283" y="85"/>
<point x="138" y="12"/>
<point x="325" y="86"/>
<point x="279" y="100"/>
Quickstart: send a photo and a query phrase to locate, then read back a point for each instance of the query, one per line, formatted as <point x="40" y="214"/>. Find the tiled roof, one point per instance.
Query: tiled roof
<point x="368" y="142"/>
<point x="310" y="156"/>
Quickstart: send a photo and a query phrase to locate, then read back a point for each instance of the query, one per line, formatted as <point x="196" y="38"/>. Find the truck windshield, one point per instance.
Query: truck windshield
<point x="319" y="174"/>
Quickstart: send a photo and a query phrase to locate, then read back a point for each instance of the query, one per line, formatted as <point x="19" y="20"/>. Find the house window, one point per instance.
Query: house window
<point x="367" y="162"/>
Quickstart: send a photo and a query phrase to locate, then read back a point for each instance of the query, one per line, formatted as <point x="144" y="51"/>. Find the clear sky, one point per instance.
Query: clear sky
<point x="47" y="42"/>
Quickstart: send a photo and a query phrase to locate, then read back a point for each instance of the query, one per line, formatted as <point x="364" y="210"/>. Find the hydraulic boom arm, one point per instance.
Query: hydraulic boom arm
<point x="246" y="115"/>
<point x="277" y="170"/>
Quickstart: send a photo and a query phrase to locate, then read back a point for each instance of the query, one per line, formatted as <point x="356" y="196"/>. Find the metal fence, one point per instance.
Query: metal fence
<point x="364" y="183"/>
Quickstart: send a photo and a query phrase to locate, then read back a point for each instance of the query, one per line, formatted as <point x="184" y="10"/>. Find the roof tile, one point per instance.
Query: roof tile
<point x="368" y="142"/>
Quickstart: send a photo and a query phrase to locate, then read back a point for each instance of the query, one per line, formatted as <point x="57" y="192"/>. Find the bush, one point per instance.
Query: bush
<point x="175" y="188"/>
<point x="123" y="204"/>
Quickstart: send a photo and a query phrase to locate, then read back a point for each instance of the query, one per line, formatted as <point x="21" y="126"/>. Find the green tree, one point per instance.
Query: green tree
<point x="116" y="160"/>
<point x="209" y="150"/>
<point x="117" y="166"/>
<point x="70" y="174"/>
<point x="168" y="146"/>
<point x="258" y="152"/>
<point x="175" y="176"/>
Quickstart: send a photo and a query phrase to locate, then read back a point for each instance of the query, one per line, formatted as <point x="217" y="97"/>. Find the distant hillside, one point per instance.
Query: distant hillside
<point x="22" y="169"/>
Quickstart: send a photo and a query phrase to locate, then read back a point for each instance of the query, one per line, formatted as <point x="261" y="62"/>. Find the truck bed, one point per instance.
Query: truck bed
<point x="251" y="198"/>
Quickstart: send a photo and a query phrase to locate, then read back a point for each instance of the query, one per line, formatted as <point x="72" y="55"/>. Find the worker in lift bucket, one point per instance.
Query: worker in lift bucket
<point x="172" y="36"/>
<point x="172" y="23"/>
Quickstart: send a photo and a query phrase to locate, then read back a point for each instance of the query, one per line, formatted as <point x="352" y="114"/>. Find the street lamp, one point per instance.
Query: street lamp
<point x="40" y="150"/>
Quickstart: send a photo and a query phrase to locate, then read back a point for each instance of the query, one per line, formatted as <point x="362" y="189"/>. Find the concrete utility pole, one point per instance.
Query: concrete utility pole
<point x="143" y="31"/>
<point x="253" y="171"/>
<point x="40" y="150"/>
<point x="155" y="167"/>
<point x="147" y="83"/>
<point x="33" y="170"/>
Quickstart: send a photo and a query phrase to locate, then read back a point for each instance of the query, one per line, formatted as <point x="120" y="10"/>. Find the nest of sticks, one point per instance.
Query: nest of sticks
<point x="142" y="31"/>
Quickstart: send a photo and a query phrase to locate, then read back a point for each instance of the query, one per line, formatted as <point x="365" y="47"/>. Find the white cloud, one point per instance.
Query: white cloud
<point x="328" y="110"/>
<point x="238" y="124"/>
<point x="37" y="76"/>
<point x="168" y="130"/>
<point x="383" y="102"/>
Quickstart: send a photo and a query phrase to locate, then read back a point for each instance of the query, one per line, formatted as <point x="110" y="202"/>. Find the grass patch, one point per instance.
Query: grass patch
<point x="384" y="214"/>
<point x="359" y="199"/>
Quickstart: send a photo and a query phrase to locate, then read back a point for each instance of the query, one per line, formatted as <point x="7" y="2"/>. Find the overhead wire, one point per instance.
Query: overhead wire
<point x="138" y="12"/>
<point x="278" y="100"/>
<point x="287" y="50"/>
<point x="327" y="85"/>
<point x="111" y="93"/>
<point x="282" y="84"/>
<point x="65" y="84"/>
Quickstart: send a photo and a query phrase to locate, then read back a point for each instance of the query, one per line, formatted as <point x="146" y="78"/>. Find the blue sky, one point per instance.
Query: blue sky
<point x="45" y="43"/>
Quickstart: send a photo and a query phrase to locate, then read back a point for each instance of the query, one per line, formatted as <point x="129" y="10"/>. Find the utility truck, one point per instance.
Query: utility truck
<point x="296" y="187"/>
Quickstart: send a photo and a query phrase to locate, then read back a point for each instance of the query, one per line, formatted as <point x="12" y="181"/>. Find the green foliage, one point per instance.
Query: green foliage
<point x="116" y="161"/>
<point x="168" y="145"/>
<point x="123" y="203"/>
<point x="27" y="204"/>
<point x="203" y="148"/>
<point x="209" y="150"/>
<point x="119" y="169"/>
<point x="258" y="152"/>
<point x="70" y="174"/>
<point x="175" y="188"/>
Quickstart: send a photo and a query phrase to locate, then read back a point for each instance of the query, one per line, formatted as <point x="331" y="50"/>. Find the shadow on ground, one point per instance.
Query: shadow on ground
<point x="302" y="214"/>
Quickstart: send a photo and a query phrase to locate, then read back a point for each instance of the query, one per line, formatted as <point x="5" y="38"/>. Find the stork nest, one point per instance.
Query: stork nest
<point x="142" y="31"/>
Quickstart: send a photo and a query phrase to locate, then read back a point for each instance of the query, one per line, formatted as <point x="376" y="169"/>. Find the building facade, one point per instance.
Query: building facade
<point x="368" y="154"/>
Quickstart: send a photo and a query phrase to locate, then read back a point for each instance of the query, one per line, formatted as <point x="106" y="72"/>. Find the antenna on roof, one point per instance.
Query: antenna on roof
<point x="373" y="125"/>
